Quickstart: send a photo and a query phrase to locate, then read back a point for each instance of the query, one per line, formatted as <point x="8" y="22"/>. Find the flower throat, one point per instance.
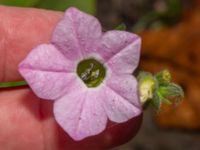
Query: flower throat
<point x="91" y="72"/>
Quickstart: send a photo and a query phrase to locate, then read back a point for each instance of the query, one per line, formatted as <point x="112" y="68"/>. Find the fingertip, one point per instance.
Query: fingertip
<point x="21" y="30"/>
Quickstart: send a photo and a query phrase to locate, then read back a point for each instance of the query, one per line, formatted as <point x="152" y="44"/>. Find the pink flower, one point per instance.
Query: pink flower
<point x="87" y="73"/>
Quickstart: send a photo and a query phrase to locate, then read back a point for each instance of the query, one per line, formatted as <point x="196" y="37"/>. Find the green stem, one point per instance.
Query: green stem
<point x="12" y="84"/>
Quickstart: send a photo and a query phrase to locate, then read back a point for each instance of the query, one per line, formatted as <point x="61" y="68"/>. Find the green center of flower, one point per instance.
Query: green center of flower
<point x="91" y="72"/>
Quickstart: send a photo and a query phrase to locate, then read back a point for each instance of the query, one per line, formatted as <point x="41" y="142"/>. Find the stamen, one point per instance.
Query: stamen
<point x="91" y="72"/>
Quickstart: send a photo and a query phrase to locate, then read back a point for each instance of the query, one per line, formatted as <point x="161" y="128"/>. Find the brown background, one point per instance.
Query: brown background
<point x="177" y="48"/>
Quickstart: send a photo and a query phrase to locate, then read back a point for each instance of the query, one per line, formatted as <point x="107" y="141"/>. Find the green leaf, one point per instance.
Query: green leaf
<point x="88" y="6"/>
<point x="21" y="3"/>
<point x="174" y="7"/>
<point x="146" y="20"/>
<point x="121" y="26"/>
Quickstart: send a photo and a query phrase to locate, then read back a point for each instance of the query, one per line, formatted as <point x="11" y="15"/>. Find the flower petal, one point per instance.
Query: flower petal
<point x="118" y="108"/>
<point x="48" y="85"/>
<point x="126" y="86"/>
<point x="76" y="34"/>
<point x="81" y="114"/>
<point x="46" y="57"/>
<point x="121" y="51"/>
<point x="47" y="72"/>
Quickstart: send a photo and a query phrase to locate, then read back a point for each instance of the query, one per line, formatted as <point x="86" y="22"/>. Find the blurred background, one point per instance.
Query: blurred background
<point x="170" y="31"/>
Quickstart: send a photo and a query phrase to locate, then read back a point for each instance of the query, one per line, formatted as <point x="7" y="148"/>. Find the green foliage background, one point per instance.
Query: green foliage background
<point x="85" y="5"/>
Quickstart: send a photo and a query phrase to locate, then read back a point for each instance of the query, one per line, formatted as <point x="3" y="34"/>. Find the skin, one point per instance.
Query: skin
<point x="27" y="122"/>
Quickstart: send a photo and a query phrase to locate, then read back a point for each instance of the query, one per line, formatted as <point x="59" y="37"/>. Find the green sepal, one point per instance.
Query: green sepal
<point x="155" y="101"/>
<point x="172" y="90"/>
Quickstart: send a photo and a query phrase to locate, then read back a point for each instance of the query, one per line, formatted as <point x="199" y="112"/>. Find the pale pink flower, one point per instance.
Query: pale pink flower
<point x="87" y="73"/>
